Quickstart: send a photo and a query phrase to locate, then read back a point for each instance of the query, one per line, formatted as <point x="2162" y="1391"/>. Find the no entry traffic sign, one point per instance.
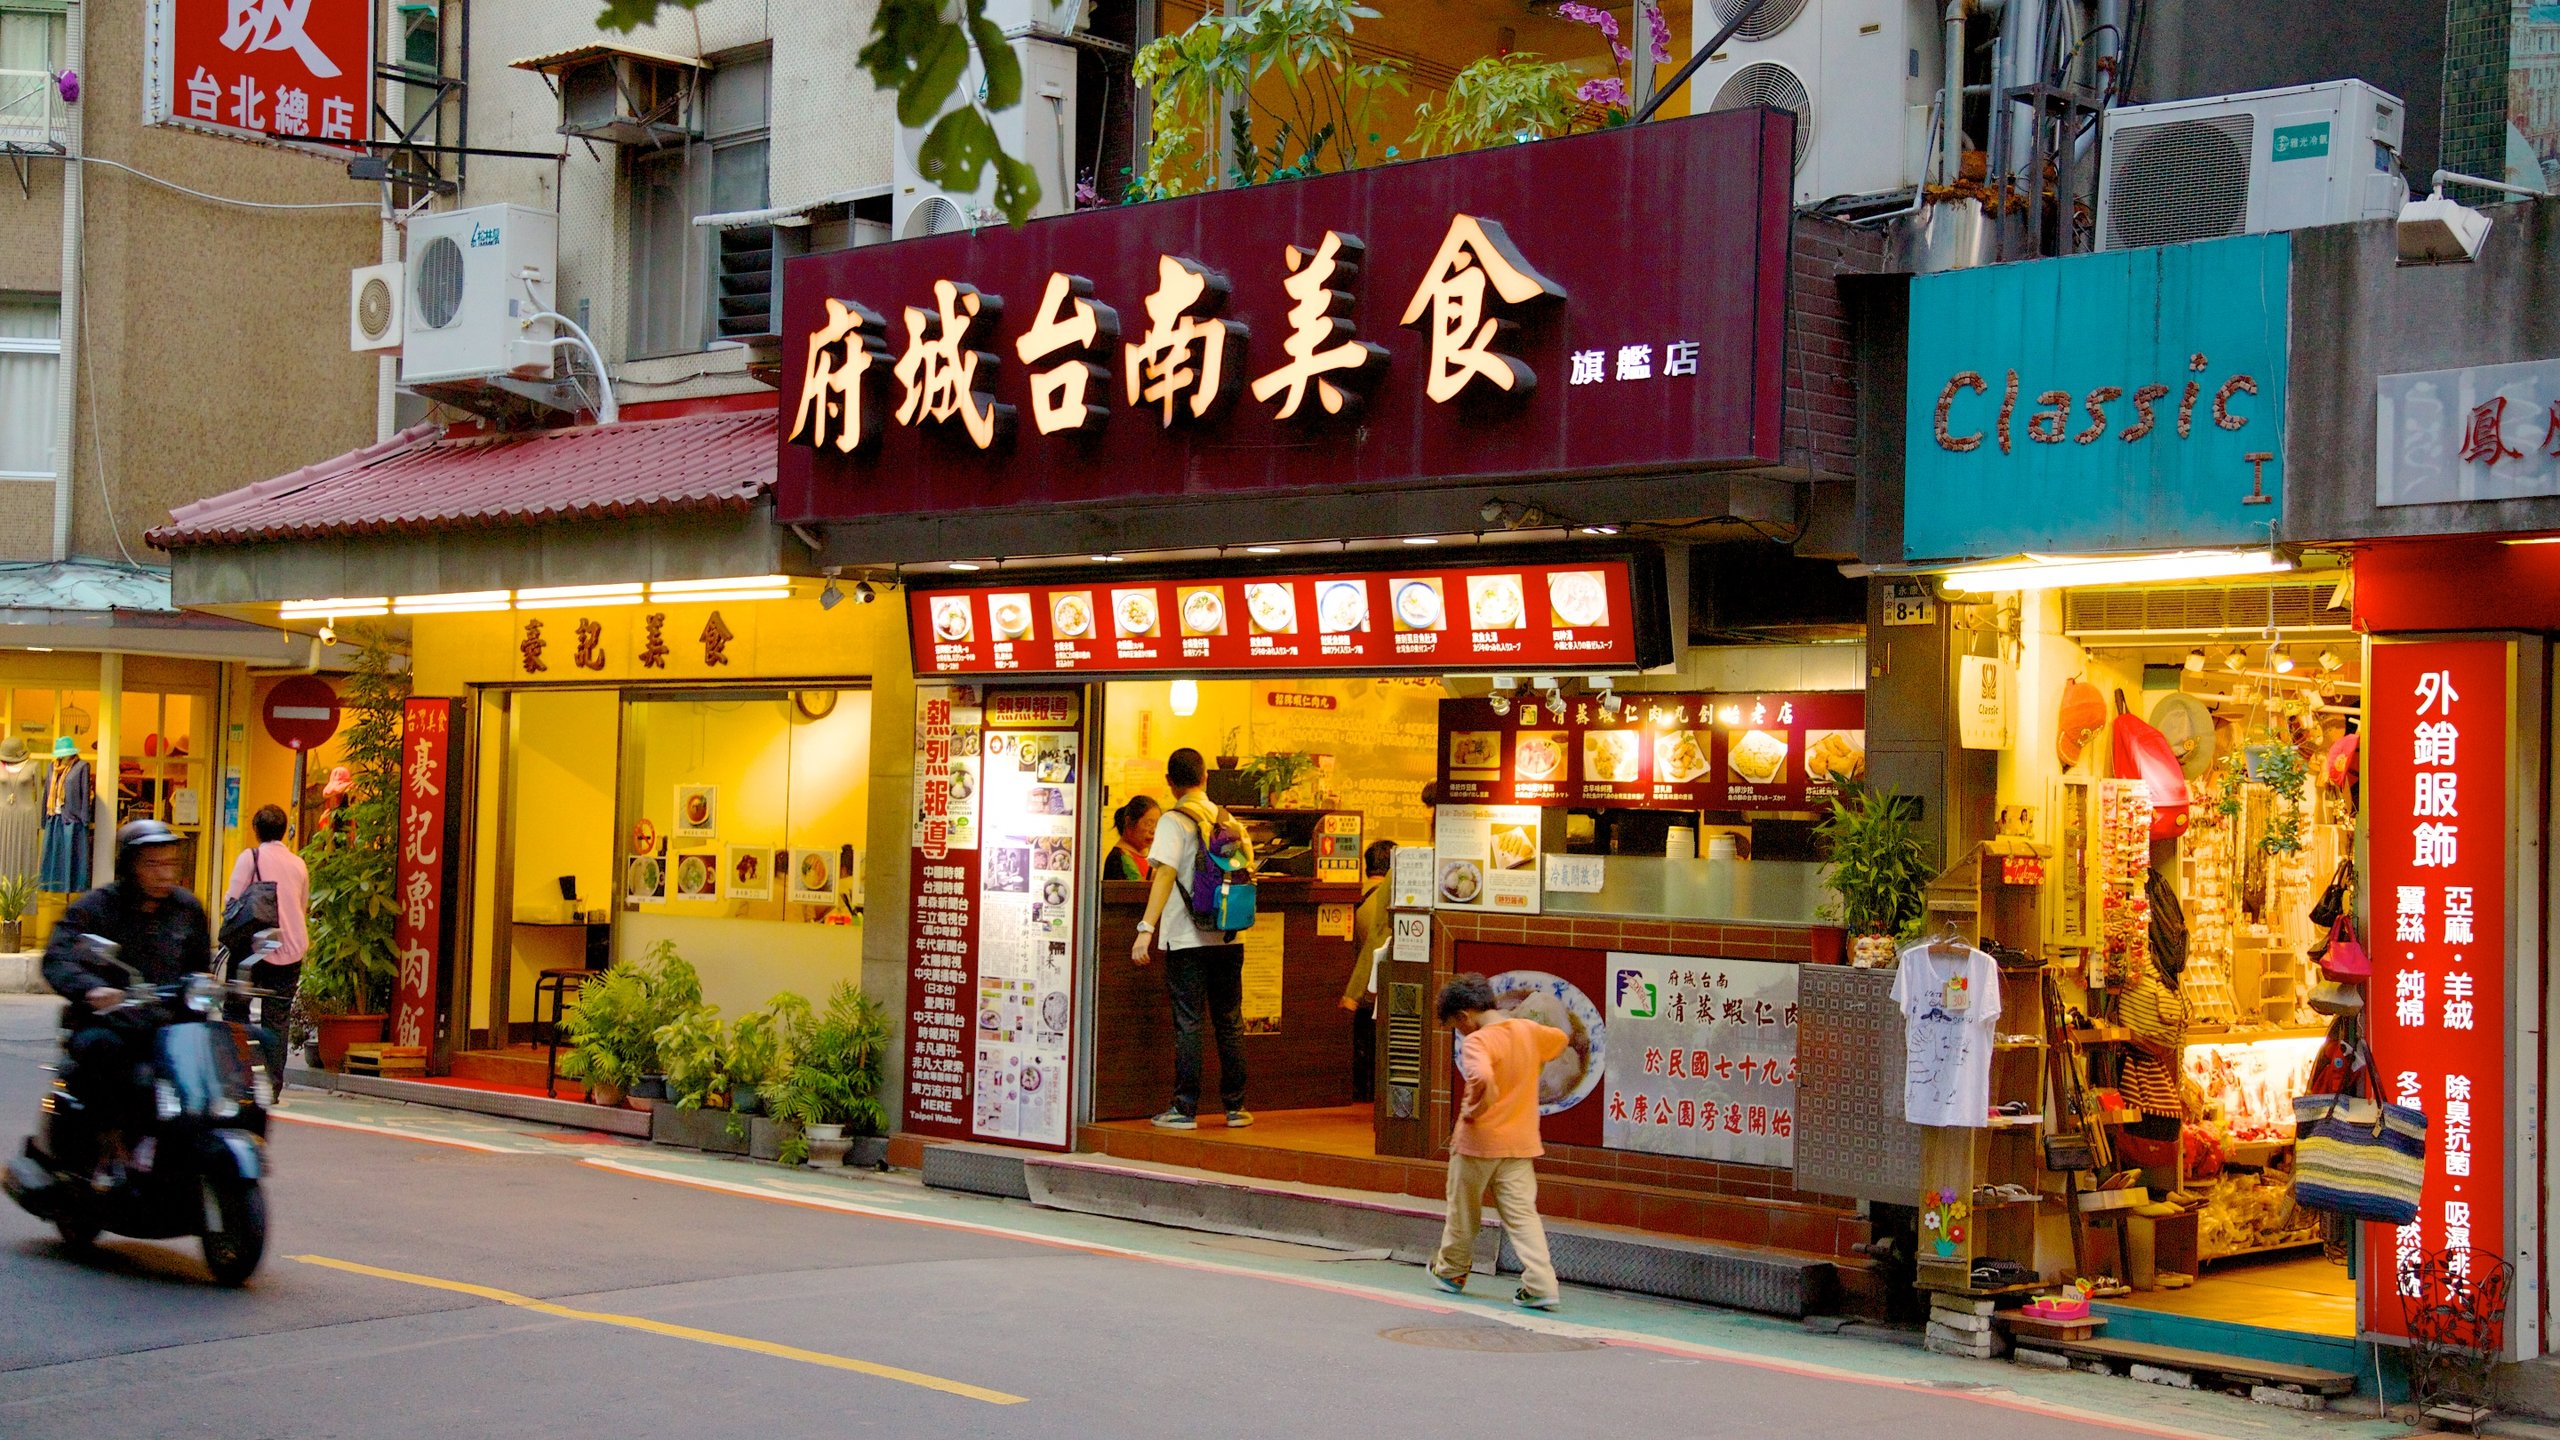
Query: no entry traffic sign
<point x="301" y="713"/>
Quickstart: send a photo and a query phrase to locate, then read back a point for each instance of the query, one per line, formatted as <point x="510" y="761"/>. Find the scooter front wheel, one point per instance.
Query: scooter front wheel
<point x="78" y="1236"/>
<point x="235" y="1237"/>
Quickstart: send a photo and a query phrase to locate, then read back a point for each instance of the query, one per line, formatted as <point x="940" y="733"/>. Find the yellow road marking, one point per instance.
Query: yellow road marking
<point x="674" y="1332"/>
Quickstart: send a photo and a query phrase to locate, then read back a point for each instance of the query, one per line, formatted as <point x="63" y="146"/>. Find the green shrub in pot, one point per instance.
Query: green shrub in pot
<point x="611" y="1029"/>
<point x="1879" y="864"/>
<point x="838" y="1060"/>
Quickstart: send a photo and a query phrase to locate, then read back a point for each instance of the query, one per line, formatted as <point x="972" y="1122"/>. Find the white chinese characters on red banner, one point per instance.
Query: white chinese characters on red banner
<point x="2437" y="768"/>
<point x="420" y="869"/>
<point x="286" y="68"/>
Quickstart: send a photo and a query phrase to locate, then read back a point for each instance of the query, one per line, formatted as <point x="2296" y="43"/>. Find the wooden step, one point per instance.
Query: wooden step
<point x="2225" y="1370"/>
<point x="379" y="1059"/>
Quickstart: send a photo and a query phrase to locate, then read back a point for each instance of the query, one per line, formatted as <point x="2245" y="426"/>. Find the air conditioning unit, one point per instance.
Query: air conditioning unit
<point x="376" y="294"/>
<point x="1860" y="76"/>
<point x="1040" y="131"/>
<point x="2248" y="164"/>
<point x="467" y="298"/>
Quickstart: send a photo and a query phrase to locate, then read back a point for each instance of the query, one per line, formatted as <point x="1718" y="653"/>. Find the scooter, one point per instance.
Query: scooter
<point x="194" y="1168"/>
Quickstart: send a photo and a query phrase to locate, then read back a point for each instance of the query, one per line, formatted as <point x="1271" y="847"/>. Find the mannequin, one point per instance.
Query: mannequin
<point x="70" y="820"/>
<point x="22" y="797"/>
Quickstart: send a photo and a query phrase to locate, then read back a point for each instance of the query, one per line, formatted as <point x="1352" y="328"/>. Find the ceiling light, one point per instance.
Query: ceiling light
<point x="963" y="565"/>
<point x="40" y="649"/>
<point x="2534" y="540"/>
<point x="863" y="593"/>
<point x="1186" y="697"/>
<point x="343" y="605"/>
<point x="1421" y="540"/>
<point x="562" y="597"/>
<point x="2195" y="661"/>
<point x="1104" y="559"/>
<point x="1262" y="549"/>
<point x="328" y="633"/>
<point x="1599" y="529"/>
<point x="697" y="597"/>
<point x="2282" y="661"/>
<point x="2050" y="572"/>
<point x="2234" y="661"/>
<point x="1491" y="512"/>
<point x="663" y="589"/>
<point x="2330" y="662"/>
<point x="832" y="596"/>
<point x="466" y="602"/>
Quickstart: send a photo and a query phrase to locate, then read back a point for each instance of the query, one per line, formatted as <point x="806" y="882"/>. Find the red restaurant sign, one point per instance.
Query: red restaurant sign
<point x="1576" y="615"/>
<point x="1427" y="323"/>
<point x="1675" y="752"/>
<point x="286" y="68"/>
<point x="2437" y="764"/>
<point x="424" y="868"/>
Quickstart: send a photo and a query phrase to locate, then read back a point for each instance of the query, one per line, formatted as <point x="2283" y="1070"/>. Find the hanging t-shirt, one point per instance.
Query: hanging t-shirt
<point x="1950" y="1005"/>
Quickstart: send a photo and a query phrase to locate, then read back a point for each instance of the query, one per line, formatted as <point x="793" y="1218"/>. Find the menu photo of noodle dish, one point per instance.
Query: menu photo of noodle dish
<point x="1487" y="857"/>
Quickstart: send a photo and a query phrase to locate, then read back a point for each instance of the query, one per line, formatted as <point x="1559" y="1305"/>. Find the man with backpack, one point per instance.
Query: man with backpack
<point x="270" y="889"/>
<point x="1201" y="885"/>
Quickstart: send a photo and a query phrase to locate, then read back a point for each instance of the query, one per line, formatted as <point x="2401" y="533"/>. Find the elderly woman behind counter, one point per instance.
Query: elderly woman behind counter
<point x="1136" y="824"/>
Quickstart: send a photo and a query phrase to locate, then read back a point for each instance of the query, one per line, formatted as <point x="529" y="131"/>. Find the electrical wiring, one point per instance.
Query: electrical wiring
<point x="145" y="175"/>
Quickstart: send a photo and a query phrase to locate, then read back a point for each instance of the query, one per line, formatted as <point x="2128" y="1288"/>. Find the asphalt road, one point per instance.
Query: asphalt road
<point x="614" y="1303"/>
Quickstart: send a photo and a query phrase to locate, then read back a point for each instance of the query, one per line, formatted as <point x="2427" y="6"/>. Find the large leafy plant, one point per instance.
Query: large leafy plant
<point x="1878" y="861"/>
<point x="1499" y="100"/>
<point x="612" y="1027"/>
<point x="839" y="1058"/>
<point x="1320" y="113"/>
<point x="353" y="961"/>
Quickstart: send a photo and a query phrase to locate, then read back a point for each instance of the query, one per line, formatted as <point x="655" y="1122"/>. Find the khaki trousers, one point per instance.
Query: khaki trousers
<point x="1515" y="1198"/>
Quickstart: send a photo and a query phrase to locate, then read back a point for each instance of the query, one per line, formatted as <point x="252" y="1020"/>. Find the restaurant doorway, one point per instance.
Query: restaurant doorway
<point x="1319" y="769"/>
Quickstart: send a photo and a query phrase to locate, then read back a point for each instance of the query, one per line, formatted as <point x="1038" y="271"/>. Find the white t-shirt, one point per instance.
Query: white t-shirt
<point x="1950" y="1006"/>
<point x="1178" y="845"/>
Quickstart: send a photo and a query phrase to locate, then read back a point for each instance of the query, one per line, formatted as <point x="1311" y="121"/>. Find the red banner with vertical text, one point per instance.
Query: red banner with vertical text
<point x="422" y="874"/>
<point x="2438" y="752"/>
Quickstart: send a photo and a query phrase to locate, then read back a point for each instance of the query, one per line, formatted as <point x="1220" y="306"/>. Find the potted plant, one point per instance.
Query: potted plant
<point x="832" y="1083"/>
<point x="693" y="1056"/>
<point x="1273" y="776"/>
<point x="17" y="892"/>
<point x="349" y="969"/>
<point x="1227" y="748"/>
<point x="758" y="1051"/>
<point x="1878" y="865"/>
<point x="611" y="1029"/>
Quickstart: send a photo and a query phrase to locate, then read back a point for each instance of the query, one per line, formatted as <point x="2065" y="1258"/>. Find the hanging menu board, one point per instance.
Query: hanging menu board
<point x="990" y="989"/>
<point x="1579" y="615"/>
<point x="1659" y="751"/>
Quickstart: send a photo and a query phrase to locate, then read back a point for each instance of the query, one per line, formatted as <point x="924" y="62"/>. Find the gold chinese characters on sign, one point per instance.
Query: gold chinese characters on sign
<point x="1188" y="361"/>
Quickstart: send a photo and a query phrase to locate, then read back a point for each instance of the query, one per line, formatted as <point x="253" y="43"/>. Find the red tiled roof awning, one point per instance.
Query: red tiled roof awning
<point x="417" y="483"/>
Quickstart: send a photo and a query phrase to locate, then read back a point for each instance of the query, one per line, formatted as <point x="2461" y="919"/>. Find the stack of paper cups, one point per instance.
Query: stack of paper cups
<point x="1680" y="843"/>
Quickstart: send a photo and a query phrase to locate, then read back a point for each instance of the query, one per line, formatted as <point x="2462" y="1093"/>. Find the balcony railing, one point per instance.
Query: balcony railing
<point x="32" y="111"/>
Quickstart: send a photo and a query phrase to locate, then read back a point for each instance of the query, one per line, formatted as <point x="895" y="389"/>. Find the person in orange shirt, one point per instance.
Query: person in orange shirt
<point x="1495" y="1138"/>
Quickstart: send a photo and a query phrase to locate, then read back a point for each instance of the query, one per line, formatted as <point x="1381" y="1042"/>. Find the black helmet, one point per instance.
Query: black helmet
<point x="141" y="835"/>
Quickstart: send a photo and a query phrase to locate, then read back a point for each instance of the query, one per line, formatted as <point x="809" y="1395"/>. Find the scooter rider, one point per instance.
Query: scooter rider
<point x="165" y="936"/>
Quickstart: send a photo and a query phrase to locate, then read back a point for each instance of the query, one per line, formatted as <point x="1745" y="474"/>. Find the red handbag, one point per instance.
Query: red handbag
<point x="2143" y="753"/>
<point x="2345" y="959"/>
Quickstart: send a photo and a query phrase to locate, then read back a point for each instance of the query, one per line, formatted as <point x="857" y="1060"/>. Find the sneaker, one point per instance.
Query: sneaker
<point x="1527" y="1301"/>
<point x="1239" y="1119"/>
<point x="1446" y="1285"/>
<point x="1174" y="1120"/>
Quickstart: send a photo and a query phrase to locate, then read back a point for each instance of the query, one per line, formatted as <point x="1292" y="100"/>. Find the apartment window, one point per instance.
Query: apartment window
<point x="691" y="284"/>
<point x="31" y="109"/>
<point x="30" y="357"/>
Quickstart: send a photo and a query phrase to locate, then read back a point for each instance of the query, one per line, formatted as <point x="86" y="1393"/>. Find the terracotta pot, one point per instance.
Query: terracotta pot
<point x="337" y="1032"/>
<point x="605" y="1093"/>
<point x="1830" y="944"/>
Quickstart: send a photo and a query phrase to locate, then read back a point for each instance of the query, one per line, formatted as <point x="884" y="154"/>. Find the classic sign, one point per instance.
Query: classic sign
<point x="289" y="69"/>
<point x="2130" y="400"/>
<point x="1421" y="323"/>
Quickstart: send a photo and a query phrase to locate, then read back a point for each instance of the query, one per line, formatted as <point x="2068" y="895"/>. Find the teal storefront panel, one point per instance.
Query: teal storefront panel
<point x="2132" y="400"/>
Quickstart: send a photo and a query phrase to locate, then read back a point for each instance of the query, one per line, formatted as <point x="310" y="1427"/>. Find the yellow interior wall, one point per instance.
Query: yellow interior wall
<point x="489" y="732"/>
<point x="564" y="796"/>
<point x="782" y="780"/>
<point x="1381" y="740"/>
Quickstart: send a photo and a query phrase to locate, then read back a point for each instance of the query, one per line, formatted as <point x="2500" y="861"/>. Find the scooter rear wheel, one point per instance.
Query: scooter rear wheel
<point x="78" y="1236"/>
<point x="233" y="1251"/>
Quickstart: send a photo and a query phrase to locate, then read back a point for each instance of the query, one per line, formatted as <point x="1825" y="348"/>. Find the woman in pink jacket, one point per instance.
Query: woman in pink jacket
<point x="280" y="973"/>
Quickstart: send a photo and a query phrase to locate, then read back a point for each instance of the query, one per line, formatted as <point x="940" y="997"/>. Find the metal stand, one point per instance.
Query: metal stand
<point x="2455" y="1305"/>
